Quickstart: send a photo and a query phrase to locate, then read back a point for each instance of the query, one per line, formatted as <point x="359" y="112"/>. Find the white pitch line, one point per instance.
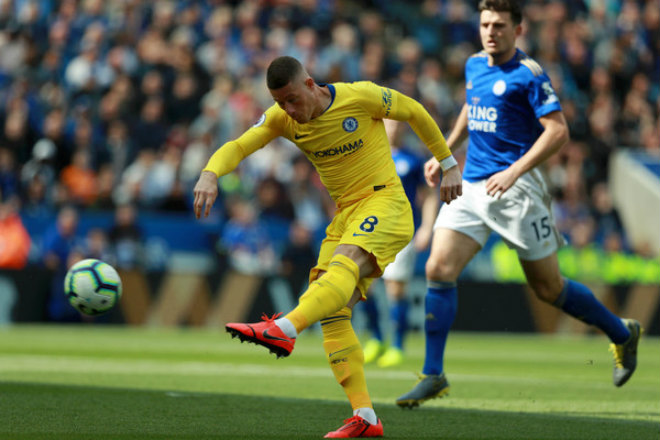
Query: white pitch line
<point x="24" y="364"/>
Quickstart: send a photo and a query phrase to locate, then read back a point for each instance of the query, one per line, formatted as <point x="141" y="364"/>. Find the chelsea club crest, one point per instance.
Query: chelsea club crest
<point x="350" y="124"/>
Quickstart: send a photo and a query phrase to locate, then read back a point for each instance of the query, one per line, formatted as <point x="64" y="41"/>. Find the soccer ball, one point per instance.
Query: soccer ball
<point x="92" y="286"/>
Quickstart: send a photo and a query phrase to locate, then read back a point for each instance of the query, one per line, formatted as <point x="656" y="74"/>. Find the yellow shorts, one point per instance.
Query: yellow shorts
<point x="381" y="224"/>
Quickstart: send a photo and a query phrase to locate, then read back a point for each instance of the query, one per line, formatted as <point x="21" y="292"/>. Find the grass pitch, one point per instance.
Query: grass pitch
<point x="100" y="382"/>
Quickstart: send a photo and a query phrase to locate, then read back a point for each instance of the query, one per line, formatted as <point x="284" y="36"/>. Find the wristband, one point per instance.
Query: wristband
<point x="448" y="162"/>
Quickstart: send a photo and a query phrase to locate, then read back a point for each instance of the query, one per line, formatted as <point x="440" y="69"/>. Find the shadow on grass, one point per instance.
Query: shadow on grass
<point x="39" y="411"/>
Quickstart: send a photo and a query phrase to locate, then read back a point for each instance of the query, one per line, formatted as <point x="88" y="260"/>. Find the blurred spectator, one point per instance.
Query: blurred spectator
<point x="160" y="179"/>
<point x="97" y="246"/>
<point x="16" y="135"/>
<point x="54" y="131"/>
<point x="123" y="80"/>
<point x="609" y="230"/>
<point x="60" y="243"/>
<point x="273" y="201"/>
<point x="60" y="239"/>
<point x="87" y="73"/>
<point x="131" y="180"/>
<point x="340" y="60"/>
<point x="298" y="257"/>
<point x="194" y="159"/>
<point x="374" y="61"/>
<point x="245" y="240"/>
<point x="42" y="163"/>
<point x="184" y="103"/>
<point x="311" y="201"/>
<point x="216" y="118"/>
<point x="38" y="198"/>
<point x="150" y="130"/>
<point x="119" y="146"/>
<point x="105" y="184"/>
<point x="80" y="179"/>
<point x="9" y="180"/>
<point x="637" y="113"/>
<point x="581" y="233"/>
<point x="14" y="238"/>
<point x="84" y="137"/>
<point x="571" y="209"/>
<point x="305" y="47"/>
<point x="125" y="237"/>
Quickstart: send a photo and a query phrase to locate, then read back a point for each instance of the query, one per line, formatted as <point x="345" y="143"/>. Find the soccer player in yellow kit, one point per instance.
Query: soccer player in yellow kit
<point x="339" y="127"/>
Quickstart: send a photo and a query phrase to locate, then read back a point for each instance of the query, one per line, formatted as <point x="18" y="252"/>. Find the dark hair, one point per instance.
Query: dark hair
<point x="282" y="71"/>
<point x="511" y="6"/>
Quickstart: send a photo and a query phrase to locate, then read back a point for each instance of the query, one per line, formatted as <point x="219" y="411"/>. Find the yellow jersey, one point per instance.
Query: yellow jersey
<point x="347" y="143"/>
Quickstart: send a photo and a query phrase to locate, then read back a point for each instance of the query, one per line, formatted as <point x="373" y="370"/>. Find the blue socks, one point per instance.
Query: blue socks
<point x="399" y="320"/>
<point x="373" y="323"/>
<point x="575" y="299"/>
<point x="441" y="304"/>
<point x="578" y="301"/>
<point x="398" y="316"/>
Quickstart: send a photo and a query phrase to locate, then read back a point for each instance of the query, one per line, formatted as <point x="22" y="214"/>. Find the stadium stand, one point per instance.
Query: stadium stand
<point x="105" y="105"/>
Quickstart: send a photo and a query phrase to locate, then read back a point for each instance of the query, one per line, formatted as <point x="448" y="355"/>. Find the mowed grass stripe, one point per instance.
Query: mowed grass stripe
<point x="24" y="364"/>
<point x="78" y="382"/>
<point x="72" y="413"/>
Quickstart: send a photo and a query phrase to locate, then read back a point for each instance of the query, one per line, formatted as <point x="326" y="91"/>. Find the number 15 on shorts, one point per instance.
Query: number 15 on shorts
<point x="542" y="229"/>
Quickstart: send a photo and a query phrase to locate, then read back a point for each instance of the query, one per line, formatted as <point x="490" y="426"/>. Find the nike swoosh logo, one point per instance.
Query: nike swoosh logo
<point x="299" y="136"/>
<point x="355" y="234"/>
<point x="338" y="351"/>
<point x="274" y="338"/>
<point x="348" y="427"/>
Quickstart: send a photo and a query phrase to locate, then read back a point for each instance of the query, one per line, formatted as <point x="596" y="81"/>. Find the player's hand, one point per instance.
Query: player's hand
<point x="205" y="191"/>
<point x="499" y="183"/>
<point x="452" y="184"/>
<point x="432" y="172"/>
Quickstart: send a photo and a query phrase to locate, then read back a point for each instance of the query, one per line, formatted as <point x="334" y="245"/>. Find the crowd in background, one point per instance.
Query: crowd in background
<point x="108" y="104"/>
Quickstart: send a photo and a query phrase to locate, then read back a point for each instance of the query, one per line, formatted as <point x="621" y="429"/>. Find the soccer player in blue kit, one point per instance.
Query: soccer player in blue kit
<point x="513" y="121"/>
<point x="396" y="277"/>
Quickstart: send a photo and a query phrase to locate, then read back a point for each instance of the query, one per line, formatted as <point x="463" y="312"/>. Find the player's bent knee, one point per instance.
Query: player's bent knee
<point x="440" y="269"/>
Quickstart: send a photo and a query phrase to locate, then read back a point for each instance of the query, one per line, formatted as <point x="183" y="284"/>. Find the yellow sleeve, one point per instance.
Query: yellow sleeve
<point x="385" y="103"/>
<point x="229" y="155"/>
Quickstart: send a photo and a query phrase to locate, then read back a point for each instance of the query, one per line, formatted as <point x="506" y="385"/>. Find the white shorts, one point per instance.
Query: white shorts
<point x="403" y="266"/>
<point x="522" y="216"/>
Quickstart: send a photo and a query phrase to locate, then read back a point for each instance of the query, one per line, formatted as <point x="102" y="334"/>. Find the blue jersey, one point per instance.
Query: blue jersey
<point x="410" y="169"/>
<point x="504" y="105"/>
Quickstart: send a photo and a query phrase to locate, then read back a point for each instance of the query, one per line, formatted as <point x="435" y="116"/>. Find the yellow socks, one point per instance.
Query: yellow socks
<point x="327" y="294"/>
<point x="346" y="357"/>
<point x="325" y="300"/>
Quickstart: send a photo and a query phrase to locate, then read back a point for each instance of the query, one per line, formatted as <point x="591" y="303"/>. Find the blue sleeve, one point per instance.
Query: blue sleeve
<point x="542" y="96"/>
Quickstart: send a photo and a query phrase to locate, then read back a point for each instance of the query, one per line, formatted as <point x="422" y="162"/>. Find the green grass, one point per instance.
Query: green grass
<point x="99" y="382"/>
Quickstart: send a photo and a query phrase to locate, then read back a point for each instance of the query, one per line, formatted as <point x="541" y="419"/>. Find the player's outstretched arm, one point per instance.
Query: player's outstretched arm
<point x="225" y="160"/>
<point x="205" y="191"/>
<point x="427" y="130"/>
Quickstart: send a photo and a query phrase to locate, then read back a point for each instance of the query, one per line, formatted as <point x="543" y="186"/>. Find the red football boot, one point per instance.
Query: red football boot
<point x="265" y="333"/>
<point x="357" y="427"/>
